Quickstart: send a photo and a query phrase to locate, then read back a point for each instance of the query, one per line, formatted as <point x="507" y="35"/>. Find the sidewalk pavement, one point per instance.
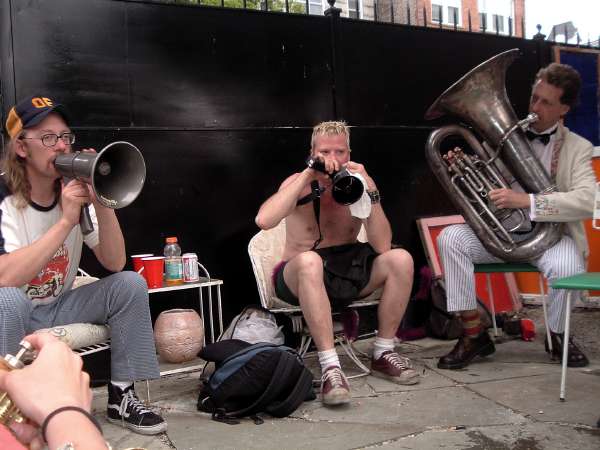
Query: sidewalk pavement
<point x="508" y="401"/>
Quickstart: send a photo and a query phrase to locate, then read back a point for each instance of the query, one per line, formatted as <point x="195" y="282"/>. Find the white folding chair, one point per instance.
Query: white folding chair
<point x="266" y="250"/>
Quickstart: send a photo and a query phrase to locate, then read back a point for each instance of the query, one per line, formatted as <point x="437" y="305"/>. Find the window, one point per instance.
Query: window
<point x="436" y="13"/>
<point x="498" y="23"/>
<point x="315" y="7"/>
<point x="483" y="21"/>
<point x="447" y="12"/>
<point x="353" y="9"/>
<point x="495" y="15"/>
<point x="453" y="15"/>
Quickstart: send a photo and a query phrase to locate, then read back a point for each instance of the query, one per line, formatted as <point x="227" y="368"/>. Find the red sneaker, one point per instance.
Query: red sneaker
<point x="334" y="387"/>
<point x="395" y="368"/>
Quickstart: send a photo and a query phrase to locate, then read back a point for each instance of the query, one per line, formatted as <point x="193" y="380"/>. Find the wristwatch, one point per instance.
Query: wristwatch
<point x="374" y="196"/>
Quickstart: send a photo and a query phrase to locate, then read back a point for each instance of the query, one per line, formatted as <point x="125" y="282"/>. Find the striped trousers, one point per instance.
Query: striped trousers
<point x="119" y="300"/>
<point x="460" y="248"/>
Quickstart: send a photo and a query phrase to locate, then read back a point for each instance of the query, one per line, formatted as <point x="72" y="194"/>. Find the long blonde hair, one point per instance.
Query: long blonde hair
<point x="15" y="174"/>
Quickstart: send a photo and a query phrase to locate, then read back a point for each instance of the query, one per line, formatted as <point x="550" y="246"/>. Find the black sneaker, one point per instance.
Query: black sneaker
<point x="125" y="408"/>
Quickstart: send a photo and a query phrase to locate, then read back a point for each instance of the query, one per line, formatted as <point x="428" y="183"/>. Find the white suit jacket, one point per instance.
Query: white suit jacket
<point x="576" y="183"/>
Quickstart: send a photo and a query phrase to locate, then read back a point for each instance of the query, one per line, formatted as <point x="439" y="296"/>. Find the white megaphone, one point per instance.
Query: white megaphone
<point x="116" y="174"/>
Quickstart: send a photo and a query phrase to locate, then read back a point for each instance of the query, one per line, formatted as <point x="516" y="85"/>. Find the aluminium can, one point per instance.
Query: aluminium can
<point x="190" y="267"/>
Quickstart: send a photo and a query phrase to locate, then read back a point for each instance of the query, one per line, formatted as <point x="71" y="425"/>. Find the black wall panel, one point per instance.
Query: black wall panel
<point x="221" y="103"/>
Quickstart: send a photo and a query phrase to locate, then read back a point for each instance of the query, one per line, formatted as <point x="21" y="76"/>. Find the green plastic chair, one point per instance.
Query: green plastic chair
<point x="584" y="281"/>
<point x="490" y="268"/>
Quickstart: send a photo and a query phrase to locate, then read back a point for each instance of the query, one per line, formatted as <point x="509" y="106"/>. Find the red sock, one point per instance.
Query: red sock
<point x="471" y="323"/>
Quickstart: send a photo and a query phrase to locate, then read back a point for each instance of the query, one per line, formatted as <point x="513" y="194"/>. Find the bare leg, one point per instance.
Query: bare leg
<point x="394" y="270"/>
<point x="303" y="274"/>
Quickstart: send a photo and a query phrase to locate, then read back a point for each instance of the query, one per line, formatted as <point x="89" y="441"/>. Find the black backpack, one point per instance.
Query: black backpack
<point x="442" y="324"/>
<point x="253" y="378"/>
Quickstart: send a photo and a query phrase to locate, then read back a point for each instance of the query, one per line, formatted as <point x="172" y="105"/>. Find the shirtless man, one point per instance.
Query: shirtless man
<point x="300" y="277"/>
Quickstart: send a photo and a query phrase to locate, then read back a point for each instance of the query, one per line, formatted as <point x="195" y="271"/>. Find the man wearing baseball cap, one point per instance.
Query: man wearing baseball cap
<point x="40" y="250"/>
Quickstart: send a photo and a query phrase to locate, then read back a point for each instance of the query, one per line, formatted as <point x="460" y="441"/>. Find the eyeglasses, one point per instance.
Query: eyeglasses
<point x="50" y="140"/>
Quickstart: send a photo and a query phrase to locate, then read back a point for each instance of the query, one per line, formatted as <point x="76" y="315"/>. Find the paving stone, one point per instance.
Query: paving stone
<point x="416" y="409"/>
<point x="524" y="436"/>
<point x="199" y="432"/>
<point x="538" y="396"/>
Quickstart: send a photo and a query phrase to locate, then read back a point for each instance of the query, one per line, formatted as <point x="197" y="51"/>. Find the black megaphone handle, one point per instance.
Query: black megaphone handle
<point x="85" y="221"/>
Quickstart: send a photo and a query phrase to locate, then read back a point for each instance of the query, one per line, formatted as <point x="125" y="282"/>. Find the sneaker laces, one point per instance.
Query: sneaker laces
<point x="401" y="362"/>
<point x="335" y="377"/>
<point x="130" y="399"/>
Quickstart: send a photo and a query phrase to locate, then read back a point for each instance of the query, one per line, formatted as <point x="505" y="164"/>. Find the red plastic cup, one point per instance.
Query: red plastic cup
<point x="137" y="262"/>
<point x="154" y="267"/>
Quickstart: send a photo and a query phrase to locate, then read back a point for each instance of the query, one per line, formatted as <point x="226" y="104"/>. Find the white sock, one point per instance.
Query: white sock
<point x="328" y="358"/>
<point x="382" y="345"/>
<point x="121" y="384"/>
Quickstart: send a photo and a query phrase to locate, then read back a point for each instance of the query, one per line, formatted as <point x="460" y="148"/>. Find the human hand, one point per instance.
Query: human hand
<point x="54" y="379"/>
<point x="507" y="198"/>
<point x="355" y="167"/>
<point x="323" y="164"/>
<point x="27" y="434"/>
<point x="74" y="195"/>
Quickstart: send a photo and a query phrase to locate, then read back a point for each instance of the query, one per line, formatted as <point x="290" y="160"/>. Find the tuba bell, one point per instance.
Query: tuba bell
<point x="479" y="98"/>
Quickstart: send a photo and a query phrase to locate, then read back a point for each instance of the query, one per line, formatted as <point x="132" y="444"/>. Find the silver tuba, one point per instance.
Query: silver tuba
<point x="479" y="98"/>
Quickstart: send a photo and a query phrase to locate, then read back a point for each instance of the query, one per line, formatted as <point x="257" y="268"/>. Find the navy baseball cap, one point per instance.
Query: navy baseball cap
<point x="31" y="111"/>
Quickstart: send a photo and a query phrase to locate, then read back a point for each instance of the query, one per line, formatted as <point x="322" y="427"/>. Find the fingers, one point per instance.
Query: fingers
<point x="27" y="434"/>
<point x="39" y="340"/>
<point x="77" y="190"/>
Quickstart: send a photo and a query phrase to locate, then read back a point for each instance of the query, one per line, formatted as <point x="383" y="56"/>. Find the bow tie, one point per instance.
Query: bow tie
<point x="544" y="138"/>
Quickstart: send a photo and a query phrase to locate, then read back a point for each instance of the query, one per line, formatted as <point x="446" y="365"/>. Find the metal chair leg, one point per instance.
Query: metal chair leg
<point x="565" y="355"/>
<point x="545" y="308"/>
<point x="347" y="347"/>
<point x="488" y="278"/>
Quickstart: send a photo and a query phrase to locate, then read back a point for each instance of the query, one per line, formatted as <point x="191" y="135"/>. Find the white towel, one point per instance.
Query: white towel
<point x="362" y="207"/>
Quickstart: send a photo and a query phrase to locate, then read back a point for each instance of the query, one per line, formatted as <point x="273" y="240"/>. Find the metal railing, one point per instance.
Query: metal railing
<point x="397" y="12"/>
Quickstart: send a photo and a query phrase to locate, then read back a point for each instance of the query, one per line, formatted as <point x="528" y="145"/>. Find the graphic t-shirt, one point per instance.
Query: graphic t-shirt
<point x="22" y="227"/>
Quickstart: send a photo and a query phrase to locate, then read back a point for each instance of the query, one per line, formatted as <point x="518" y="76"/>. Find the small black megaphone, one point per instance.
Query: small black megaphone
<point x="346" y="188"/>
<point x="116" y="174"/>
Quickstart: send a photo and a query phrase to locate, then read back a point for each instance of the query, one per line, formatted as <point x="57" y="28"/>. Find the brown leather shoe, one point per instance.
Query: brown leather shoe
<point x="334" y="387"/>
<point x="465" y="350"/>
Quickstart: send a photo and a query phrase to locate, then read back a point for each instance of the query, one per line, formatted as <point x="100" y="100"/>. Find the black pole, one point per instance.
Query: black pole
<point x="374" y="11"/>
<point x="408" y="14"/>
<point x="392" y="11"/>
<point x="469" y="15"/>
<point x="566" y="39"/>
<point x="424" y="17"/>
<point x="455" y="19"/>
<point x="337" y="64"/>
<point x="510" y="26"/>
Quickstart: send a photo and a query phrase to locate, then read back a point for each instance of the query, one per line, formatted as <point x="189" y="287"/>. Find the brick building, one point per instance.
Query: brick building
<point x="492" y="16"/>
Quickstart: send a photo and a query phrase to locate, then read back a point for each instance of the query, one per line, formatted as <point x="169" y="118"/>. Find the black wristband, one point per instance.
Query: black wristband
<point x="68" y="408"/>
<point x="374" y="196"/>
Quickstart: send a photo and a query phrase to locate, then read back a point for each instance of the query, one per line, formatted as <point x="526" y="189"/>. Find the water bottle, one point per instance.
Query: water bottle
<point x="173" y="262"/>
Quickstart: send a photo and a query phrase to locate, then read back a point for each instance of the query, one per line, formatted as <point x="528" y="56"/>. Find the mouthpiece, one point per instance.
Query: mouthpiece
<point x="531" y="117"/>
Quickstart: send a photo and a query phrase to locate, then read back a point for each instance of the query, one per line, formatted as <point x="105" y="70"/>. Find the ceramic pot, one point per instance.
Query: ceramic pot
<point x="179" y="335"/>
